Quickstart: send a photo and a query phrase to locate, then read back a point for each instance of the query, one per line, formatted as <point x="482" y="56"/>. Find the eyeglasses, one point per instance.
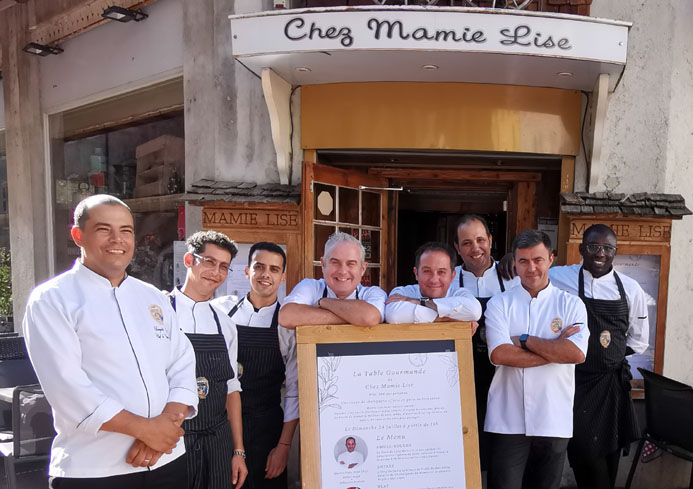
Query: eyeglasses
<point x="212" y="264"/>
<point x="593" y="249"/>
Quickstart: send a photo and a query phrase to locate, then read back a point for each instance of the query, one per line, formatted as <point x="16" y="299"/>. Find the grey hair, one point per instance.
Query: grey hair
<point x="338" y="238"/>
<point x="530" y="238"/>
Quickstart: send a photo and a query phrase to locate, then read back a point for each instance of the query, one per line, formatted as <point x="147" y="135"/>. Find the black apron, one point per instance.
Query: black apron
<point x="208" y="440"/>
<point x="604" y="419"/>
<point x="483" y="374"/>
<point x="261" y="372"/>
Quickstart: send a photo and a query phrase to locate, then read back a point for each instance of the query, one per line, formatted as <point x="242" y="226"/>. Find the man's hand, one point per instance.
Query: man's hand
<point x="475" y="326"/>
<point x="569" y="331"/>
<point x="401" y="298"/>
<point x="140" y="455"/>
<point x="162" y="432"/>
<point x="276" y="461"/>
<point x="238" y="471"/>
<point x="506" y="267"/>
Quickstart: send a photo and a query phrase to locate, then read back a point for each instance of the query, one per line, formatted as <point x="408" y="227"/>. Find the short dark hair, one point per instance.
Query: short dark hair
<point x="466" y="219"/>
<point x="350" y="438"/>
<point x="81" y="215"/>
<point x="435" y="246"/>
<point x="530" y="238"/>
<point x="601" y="229"/>
<point x="267" y="246"/>
<point x="196" y="243"/>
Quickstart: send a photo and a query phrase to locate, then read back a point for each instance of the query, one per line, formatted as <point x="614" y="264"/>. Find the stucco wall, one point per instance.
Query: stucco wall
<point x="649" y="141"/>
<point x="231" y="136"/>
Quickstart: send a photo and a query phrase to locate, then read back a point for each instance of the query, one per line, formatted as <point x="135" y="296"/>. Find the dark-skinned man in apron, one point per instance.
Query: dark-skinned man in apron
<point x="617" y="318"/>
<point x="480" y="276"/>
<point x="266" y="358"/>
<point x="213" y="439"/>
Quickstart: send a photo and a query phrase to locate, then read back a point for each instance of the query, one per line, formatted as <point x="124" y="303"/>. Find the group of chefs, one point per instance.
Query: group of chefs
<point x="179" y="389"/>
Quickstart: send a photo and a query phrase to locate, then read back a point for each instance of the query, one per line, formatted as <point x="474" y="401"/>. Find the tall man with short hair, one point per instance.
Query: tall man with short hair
<point x="431" y="299"/>
<point x="339" y="297"/>
<point x="115" y="367"/>
<point x="480" y="275"/>
<point x="535" y="336"/>
<point x="267" y="357"/>
<point x="617" y="318"/>
<point x="213" y="439"/>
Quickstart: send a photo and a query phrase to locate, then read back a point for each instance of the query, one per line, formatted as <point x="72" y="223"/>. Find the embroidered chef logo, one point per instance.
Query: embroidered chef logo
<point x="605" y="338"/>
<point x="240" y="370"/>
<point x="556" y="325"/>
<point x="158" y="315"/>
<point x="202" y="387"/>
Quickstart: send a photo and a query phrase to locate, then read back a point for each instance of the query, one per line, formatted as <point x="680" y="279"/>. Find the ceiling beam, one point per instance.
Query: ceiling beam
<point x="457" y="175"/>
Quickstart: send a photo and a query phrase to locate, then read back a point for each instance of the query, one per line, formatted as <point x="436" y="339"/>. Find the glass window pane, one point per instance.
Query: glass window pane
<point x="371" y="277"/>
<point x="6" y="313"/>
<point x="325" y="202"/>
<point x="371" y="243"/>
<point x="320" y="235"/>
<point x="348" y="205"/>
<point x="353" y="231"/>
<point x="370" y="214"/>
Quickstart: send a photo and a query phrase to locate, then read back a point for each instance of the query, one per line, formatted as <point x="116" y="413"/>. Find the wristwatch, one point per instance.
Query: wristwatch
<point x="239" y="452"/>
<point x="424" y="300"/>
<point x="523" y="341"/>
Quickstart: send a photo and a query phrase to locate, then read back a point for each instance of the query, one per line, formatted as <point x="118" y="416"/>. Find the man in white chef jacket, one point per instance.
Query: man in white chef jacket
<point x="351" y="458"/>
<point x="116" y="369"/>
<point x="431" y="299"/>
<point x="536" y="333"/>
<point x="339" y="297"/>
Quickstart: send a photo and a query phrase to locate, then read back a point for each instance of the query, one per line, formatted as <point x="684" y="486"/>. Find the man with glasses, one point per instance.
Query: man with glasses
<point x="617" y="318"/>
<point x="266" y="359"/>
<point x="213" y="439"/>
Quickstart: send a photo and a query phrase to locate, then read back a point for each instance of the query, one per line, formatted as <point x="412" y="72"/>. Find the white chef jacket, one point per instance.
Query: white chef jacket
<point x="534" y="401"/>
<point x="99" y="349"/>
<point x="308" y="291"/>
<point x="485" y="286"/>
<point x="197" y="317"/>
<point x="247" y="315"/>
<point x="605" y="288"/>
<point x="348" y="458"/>
<point x="459" y="305"/>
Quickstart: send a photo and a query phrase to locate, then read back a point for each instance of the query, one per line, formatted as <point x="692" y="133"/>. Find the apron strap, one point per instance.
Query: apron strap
<point x="581" y="284"/>
<point x="275" y="317"/>
<point x="500" y="279"/>
<point x="619" y="284"/>
<point x="172" y="300"/>
<point x="324" y="292"/>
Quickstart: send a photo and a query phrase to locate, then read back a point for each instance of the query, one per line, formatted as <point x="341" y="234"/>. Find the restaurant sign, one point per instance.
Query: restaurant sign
<point x="429" y="29"/>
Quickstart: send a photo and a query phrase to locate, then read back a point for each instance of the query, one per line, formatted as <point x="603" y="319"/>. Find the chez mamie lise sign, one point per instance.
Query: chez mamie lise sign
<point x="441" y="29"/>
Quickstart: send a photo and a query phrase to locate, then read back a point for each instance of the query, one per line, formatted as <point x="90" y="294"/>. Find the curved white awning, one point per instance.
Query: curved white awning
<point x="431" y="44"/>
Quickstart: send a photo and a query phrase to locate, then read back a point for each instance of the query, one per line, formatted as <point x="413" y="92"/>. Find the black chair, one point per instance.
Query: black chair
<point x="32" y="430"/>
<point x="669" y="418"/>
<point x="15" y="369"/>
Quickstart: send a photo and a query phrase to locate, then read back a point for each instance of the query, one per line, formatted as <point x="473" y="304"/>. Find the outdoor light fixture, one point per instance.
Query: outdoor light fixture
<point x="430" y="67"/>
<point x="302" y="69"/>
<point x="122" y="14"/>
<point x="41" y="50"/>
<point x="564" y="74"/>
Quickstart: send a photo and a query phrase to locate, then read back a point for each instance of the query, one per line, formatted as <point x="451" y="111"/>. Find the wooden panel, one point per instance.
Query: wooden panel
<point x="526" y="214"/>
<point x="349" y="333"/>
<point x="568" y="174"/>
<point x="457" y="116"/>
<point x="346" y="178"/>
<point x="628" y="230"/>
<point x="391" y="232"/>
<point x="310" y="421"/>
<point x="470" y="430"/>
<point x="457" y="175"/>
<point x="307" y="206"/>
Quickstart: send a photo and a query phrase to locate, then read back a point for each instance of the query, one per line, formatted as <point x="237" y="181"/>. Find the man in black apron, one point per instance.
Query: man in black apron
<point x="604" y="421"/>
<point x="480" y="276"/>
<point x="213" y="439"/>
<point x="266" y="358"/>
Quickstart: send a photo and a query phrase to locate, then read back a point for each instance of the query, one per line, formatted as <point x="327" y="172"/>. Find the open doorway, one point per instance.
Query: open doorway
<point x="512" y="192"/>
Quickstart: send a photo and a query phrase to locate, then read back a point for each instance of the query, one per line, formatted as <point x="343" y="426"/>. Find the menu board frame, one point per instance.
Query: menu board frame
<point x="307" y="339"/>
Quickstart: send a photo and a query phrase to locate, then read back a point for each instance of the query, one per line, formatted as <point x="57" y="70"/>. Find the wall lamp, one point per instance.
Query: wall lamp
<point x="122" y="14"/>
<point x="41" y="50"/>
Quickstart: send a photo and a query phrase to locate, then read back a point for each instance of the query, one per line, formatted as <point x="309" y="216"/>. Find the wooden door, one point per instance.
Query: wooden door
<point x="345" y="200"/>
